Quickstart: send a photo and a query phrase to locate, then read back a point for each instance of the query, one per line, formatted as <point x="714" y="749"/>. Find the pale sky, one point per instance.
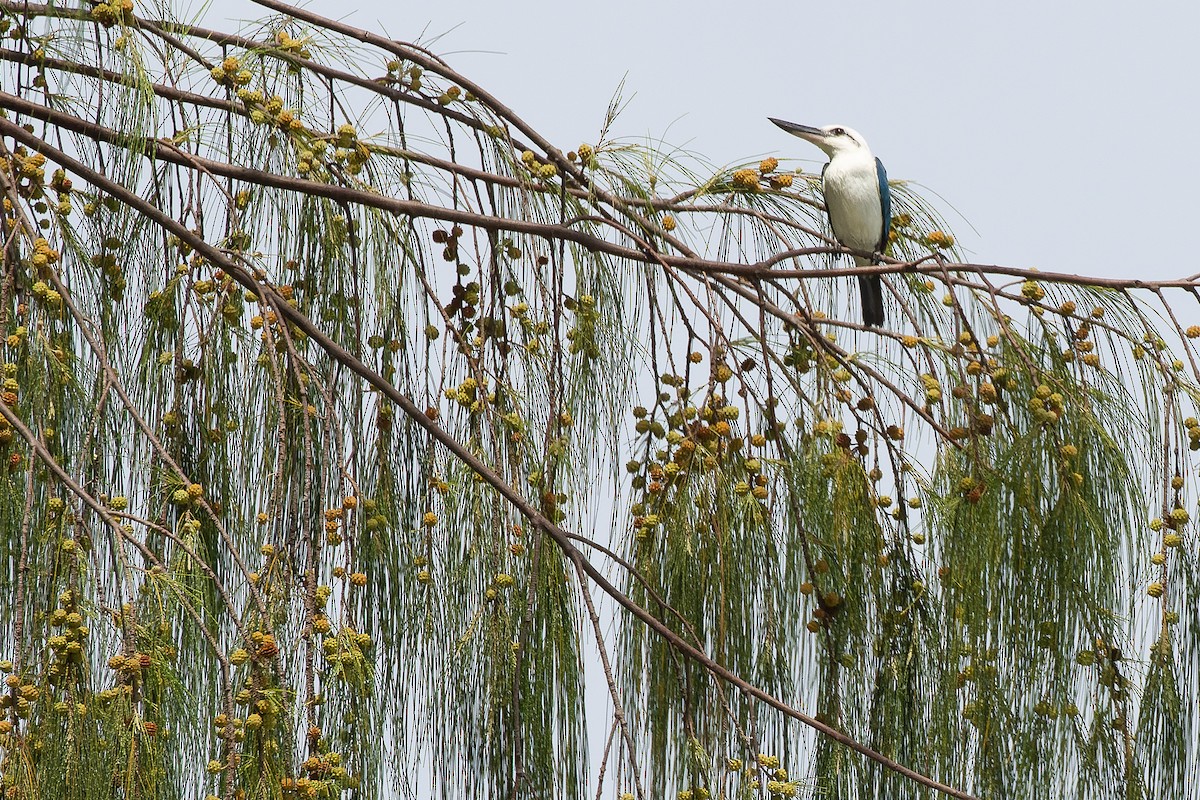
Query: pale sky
<point x="1062" y="131"/>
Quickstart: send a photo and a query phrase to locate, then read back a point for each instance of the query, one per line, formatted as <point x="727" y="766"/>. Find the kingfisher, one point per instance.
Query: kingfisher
<point x="857" y="200"/>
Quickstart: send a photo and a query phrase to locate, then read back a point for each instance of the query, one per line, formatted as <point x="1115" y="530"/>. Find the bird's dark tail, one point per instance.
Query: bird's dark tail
<point x="870" y="288"/>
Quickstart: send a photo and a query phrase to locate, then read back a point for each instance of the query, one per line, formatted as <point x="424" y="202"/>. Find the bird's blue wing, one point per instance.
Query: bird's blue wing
<point x="828" y="214"/>
<point x="885" y="203"/>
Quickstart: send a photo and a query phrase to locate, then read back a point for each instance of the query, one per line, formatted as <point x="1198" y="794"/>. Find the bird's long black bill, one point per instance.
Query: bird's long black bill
<point x="796" y="129"/>
<point x="870" y="289"/>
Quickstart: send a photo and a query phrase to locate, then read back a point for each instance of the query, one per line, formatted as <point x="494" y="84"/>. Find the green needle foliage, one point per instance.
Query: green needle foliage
<point x="319" y="369"/>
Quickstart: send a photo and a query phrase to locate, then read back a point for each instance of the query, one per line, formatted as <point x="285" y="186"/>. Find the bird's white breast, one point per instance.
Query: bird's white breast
<point x="852" y="198"/>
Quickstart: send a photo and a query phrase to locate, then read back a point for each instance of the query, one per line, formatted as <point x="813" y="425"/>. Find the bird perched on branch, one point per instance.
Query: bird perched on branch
<point x="857" y="200"/>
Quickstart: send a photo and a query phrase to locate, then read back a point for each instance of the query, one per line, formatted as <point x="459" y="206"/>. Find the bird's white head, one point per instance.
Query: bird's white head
<point x="833" y="139"/>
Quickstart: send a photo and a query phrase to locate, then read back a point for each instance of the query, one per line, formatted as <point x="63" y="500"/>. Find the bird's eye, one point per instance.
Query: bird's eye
<point x="838" y="131"/>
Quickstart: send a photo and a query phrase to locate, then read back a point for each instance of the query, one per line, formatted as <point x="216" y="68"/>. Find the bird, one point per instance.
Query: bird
<point x="857" y="200"/>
